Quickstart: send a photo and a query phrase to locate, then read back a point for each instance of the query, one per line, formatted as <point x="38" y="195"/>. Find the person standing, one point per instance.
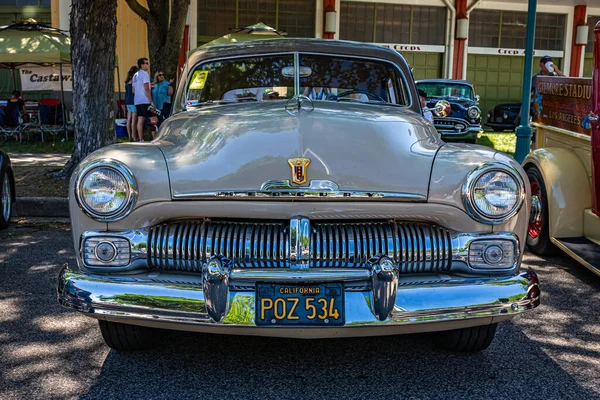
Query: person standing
<point x="131" y="110"/>
<point x="142" y="96"/>
<point x="423" y="98"/>
<point x="547" y="68"/>
<point x="161" y="95"/>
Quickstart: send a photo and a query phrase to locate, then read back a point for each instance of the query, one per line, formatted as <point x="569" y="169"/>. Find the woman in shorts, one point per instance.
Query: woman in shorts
<point x="131" y="110"/>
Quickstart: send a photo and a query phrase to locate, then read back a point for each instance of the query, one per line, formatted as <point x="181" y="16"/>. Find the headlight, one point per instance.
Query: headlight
<point x="493" y="193"/>
<point x="106" y="190"/>
<point x="473" y="112"/>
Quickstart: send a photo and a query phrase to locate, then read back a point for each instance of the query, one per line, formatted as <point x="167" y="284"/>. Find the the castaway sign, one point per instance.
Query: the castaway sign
<point x="46" y="78"/>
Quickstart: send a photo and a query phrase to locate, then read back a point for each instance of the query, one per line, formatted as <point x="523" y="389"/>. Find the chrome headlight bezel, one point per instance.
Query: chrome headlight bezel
<point x="468" y="193"/>
<point x="473" y="112"/>
<point x="127" y="205"/>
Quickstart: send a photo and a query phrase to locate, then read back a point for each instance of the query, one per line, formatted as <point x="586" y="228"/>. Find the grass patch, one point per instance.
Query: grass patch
<point x="51" y="145"/>
<point x="504" y="142"/>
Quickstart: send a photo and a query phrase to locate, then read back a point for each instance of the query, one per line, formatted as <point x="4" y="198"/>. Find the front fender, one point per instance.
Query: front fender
<point x="567" y="186"/>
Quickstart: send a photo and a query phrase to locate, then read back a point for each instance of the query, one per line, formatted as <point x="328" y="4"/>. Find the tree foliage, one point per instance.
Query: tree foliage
<point x="165" y="20"/>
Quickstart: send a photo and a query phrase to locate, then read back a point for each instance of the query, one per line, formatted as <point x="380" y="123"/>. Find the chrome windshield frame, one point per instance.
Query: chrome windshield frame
<point x="406" y="93"/>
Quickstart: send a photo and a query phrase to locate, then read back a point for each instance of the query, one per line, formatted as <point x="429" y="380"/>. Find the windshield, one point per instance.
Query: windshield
<point x="322" y="77"/>
<point x="445" y="89"/>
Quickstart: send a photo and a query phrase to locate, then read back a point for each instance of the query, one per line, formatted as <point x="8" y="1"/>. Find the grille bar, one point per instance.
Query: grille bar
<point x="186" y="246"/>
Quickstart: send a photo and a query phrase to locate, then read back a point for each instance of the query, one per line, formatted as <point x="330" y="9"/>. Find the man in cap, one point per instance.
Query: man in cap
<point x="547" y="68"/>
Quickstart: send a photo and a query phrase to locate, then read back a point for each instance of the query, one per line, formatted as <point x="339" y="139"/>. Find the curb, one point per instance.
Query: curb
<point x="41" y="207"/>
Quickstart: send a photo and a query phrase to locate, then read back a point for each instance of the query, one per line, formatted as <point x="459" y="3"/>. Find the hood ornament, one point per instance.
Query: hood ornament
<point x="299" y="167"/>
<point x="299" y="103"/>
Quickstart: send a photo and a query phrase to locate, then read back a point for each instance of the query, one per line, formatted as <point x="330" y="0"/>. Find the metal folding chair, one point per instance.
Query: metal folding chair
<point x="50" y="117"/>
<point x="12" y="123"/>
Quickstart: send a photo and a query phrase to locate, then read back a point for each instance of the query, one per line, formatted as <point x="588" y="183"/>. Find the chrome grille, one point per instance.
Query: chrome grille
<point x="186" y="246"/>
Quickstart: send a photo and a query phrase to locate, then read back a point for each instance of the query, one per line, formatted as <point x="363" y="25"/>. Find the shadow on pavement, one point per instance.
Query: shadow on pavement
<point x="49" y="352"/>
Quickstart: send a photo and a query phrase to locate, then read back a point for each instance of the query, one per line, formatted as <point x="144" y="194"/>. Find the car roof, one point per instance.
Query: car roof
<point x="304" y="45"/>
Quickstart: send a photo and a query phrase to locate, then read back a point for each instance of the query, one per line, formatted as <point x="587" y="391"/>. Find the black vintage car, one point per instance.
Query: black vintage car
<point x="503" y="117"/>
<point x="464" y="121"/>
<point x="7" y="190"/>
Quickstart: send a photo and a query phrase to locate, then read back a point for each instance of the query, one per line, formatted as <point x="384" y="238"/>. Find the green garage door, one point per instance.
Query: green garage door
<point x="498" y="79"/>
<point x="588" y="65"/>
<point x="426" y="65"/>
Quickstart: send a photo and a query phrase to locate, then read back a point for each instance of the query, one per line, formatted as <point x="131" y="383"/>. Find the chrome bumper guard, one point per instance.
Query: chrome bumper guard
<point x="222" y="300"/>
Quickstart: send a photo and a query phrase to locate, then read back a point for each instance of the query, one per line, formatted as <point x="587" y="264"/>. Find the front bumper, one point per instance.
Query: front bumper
<point x="422" y="303"/>
<point x="471" y="133"/>
<point x="504" y="126"/>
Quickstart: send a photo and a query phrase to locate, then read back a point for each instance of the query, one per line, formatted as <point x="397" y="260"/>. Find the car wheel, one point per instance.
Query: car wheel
<point x="498" y="129"/>
<point x="467" y="340"/>
<point x="124" y="337"/>
<point x="5" y="199"/>
<point x="538" y="230"/>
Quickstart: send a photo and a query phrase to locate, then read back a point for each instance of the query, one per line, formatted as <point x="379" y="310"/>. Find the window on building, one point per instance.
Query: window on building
<point x="592" y="20"/>
<point x="357" y="21"/>
<point x="550" y="31"/>
<point x="484" y="28"/>
<point x="392" y="23"/>
<point x="251" y="12"/>
<point x="218" y="17"/>
<point x="297" y="17"/>
<point x="508" y="29"/>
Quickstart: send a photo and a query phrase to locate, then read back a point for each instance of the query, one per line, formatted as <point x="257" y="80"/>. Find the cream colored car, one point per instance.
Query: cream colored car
<point x="297" y="191"/>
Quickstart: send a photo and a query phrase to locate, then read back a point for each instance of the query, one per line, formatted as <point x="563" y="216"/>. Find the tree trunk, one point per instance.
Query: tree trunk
<point x="165" y="20"/>
<point x="93" y="45"/>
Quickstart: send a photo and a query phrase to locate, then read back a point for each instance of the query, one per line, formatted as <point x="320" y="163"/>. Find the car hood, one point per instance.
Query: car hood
<point x="240" y="147"/>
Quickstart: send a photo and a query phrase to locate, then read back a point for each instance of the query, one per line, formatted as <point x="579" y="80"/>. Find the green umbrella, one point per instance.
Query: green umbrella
<point x="252" y="32"/>
<point x="28" y="42"/>
<point x="32" y="43"/>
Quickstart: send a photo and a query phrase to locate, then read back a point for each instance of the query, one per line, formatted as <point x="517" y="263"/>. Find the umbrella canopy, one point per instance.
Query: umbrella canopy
<point x="252" y="32"/>
<point x="32" y="43"/>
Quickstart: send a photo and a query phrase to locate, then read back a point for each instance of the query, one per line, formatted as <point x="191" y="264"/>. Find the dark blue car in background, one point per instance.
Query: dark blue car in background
<point x="464" y="121"/>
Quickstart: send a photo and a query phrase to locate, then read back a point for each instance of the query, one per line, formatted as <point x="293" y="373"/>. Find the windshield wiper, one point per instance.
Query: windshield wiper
<point x="208" y="103"/>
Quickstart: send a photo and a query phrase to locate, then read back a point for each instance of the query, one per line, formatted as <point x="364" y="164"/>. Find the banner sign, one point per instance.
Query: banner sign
<point x="513" y="52"/>
<point x="563" y="102"/>
<point x="422" y="48"/>
<point x="46" y="78"/>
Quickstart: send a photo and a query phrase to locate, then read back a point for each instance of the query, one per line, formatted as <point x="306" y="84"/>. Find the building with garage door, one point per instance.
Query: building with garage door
<point x="482" y="41"/>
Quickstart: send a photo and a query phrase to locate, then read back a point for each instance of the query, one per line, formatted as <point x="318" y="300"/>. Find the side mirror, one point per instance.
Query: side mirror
<point x="442" y="108"/>
<point x="477" y="98"/>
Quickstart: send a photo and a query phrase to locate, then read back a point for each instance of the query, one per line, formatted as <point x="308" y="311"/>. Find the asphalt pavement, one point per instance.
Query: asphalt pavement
<point x="49" y="352"/>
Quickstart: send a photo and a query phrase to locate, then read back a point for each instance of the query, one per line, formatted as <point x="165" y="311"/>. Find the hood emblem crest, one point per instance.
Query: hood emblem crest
<point x="299" y="167"/>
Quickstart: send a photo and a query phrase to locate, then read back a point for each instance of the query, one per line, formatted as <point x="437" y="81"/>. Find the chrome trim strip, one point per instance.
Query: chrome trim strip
<point x="125" y="172"/>
<point x="414" y="247"/>
<point x="302" y="193"/>
<point x="467" y="192"/>
<point x="285" y="184"/>
<point x="172" y="301"/>
<point x="249" y="276"/>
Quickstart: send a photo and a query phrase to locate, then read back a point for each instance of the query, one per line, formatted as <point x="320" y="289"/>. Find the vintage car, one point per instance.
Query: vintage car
<point x="7" y="190"/>
<point x="564" y="169"/>
<point x="259" y="210"/>
<point x="464" y="121"/>
<point x="503" y="117"/>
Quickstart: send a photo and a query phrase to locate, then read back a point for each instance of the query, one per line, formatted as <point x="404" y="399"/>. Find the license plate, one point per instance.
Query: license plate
<point x="284" y="304"/>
